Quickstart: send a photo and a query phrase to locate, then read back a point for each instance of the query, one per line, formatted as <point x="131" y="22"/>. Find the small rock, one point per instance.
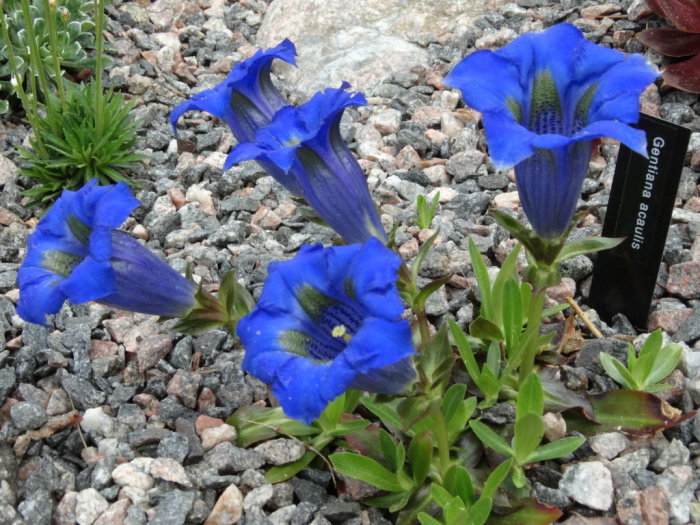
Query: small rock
<point x="28" y="416"/>
<point x="96" y="420"/>
<point x="228" y="508"/>
<point x="128" y="475"/>
<point x="152" y="349"/>
<point x="674" y="454"/>
<point x="89" y="504"/>
<point x="281" y="451"/>
<point x="169" y="470"/>
<point x="609" y="444"/>
<point x="213" y="436"/>
<point x="588" y="483"/>
<point x="684" y="280"/>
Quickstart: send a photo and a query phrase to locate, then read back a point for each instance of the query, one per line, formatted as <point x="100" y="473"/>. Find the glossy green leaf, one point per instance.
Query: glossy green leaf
<point x="287" y="471"/>
<point x="506" y="273"/>
<point x="457" y="422"/>
<point x="384" y="411"/>
<point x="490" y="438"/>
<point x="365" y="469"/>
<point x="666" y="361"/>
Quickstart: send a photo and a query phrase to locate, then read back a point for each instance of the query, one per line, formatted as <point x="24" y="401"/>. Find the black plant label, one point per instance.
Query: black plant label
<point x="640" y="207"/>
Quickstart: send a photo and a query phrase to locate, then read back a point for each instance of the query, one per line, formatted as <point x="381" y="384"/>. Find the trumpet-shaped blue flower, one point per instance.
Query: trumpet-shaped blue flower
<point x="544" y="97"/>
<point x="247" y="99"/>
<point x="76" y="254"/>
<point x="305" y="144"/>
<point x="329" y="320"/>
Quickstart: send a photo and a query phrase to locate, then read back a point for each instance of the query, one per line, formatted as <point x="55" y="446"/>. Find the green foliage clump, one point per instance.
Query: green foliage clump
<point x="77" y="147"/>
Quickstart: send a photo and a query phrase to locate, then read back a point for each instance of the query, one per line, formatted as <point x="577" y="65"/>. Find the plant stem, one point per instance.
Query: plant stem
<point x="99" y="98"/>
<point x="30" y="107"/>
<point x="534" y="322"/>
<point x="423" y="327"/>
<point x="50" y="8"/>
<point x="34" y="54"/>
<point x="442" y="442"/>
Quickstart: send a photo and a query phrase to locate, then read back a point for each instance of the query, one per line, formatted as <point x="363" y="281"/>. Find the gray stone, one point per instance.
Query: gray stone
<point x="226" y="458"/>
<point x="88" y="506"/>
<point x="7" y="382"/>
<point x="689" y="330"/>
<point x="173" y="508"/>
<point x="674" y="454"/>
<point x="609" y="444"/>
<point x="28" y="416"/>
<point x="281" y="451"/>
<point x="588" y="483"/>
<point x="174" y="446"/>
<point x="362" y="45"/>
<point x="37" y="508"/>
<point x="550" y="496"/>
<point x="679" y="484"/>
<point x="81" y="391"/>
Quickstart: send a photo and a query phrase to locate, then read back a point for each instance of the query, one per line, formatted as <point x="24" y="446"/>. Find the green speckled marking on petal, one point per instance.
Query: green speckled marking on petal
<point x="79" y="229"/>
<point x="582" y="107"/>
<point x="514" y="107"/>
<point x="545" y="109"/>
<point x="349" y="288"/>
<point x="294" y="342"/>
<point x="61" y="263"/>
<point x="313" y="302"/>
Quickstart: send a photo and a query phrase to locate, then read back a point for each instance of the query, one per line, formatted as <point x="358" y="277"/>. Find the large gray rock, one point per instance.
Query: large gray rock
<point x="361" y="42"/>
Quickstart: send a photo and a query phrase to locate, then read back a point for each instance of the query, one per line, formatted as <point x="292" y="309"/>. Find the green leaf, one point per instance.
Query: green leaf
<point x="453" y="399"/>
<point x="426" y="519"/>
<point x="420" y="456"/>
<point x="384" y="411"/>
<point x="496" y="479"/>
<point x="465" y="350"/>
<point x="489" y="438"/>
<point x="507" y="273"/>
<point x="512" y="313"/>
<point x="280" y="473"/>
<point x="555" y="449"/>
<point x="530" y="398"/>
<point x="485" y="329"/>
<point x="617" y="371"/>
<point x="588" y="245"/>
<point x="528" y="432"/>
<point x="480" y="511"/>
<point x="365" y="469"/>
<point x="428" y="290"/>
<point x="629" y="411"/>
<point x="457" y="422"/>
<point x="389" y="449"/>
<point x="459" y="483"/>
<point x="529" y="512"/>
<point x="666" y="361"/>
<point x="482" y="280"/>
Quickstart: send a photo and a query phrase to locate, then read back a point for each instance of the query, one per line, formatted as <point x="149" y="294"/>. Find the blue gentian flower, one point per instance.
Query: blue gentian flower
<point x="76" y="254"/>
<point x="305" y="144"/>
<point x="247" y="99"/>
<point x="544" y="97"/>
<point x="329" y="320"/>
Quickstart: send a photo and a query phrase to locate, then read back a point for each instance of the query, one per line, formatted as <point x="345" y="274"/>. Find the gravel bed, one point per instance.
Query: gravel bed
<point x="109" y="417"/>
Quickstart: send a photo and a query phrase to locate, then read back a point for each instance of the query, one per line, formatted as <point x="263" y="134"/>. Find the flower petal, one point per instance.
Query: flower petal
<point x="39" y="295"/>
<point x="89" y="281"/>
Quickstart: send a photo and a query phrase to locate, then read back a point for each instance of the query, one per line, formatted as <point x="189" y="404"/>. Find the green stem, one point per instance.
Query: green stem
<point x="534" y="323"/>
<point x="442" y="442"/>
<point x="99" y="99"/>
<point x="50" y="8"/>
<point x="34" y="54"/>
<point x="423" y="327"/>
<point x="30" y="107"/>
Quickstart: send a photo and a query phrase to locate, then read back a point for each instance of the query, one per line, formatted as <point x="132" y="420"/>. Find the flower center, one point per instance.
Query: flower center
<point x="61" y="263"/>
<point x="79" y="229"/>
<point x="545" y="109"/>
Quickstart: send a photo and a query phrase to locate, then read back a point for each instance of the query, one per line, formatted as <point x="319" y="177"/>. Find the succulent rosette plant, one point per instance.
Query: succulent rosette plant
<point x="329" y="320"/>
<point x="305" y="144"/>
<point x="77" y="254"/>
<point x="544" y="98"/>
<point x="680" y="41"/>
